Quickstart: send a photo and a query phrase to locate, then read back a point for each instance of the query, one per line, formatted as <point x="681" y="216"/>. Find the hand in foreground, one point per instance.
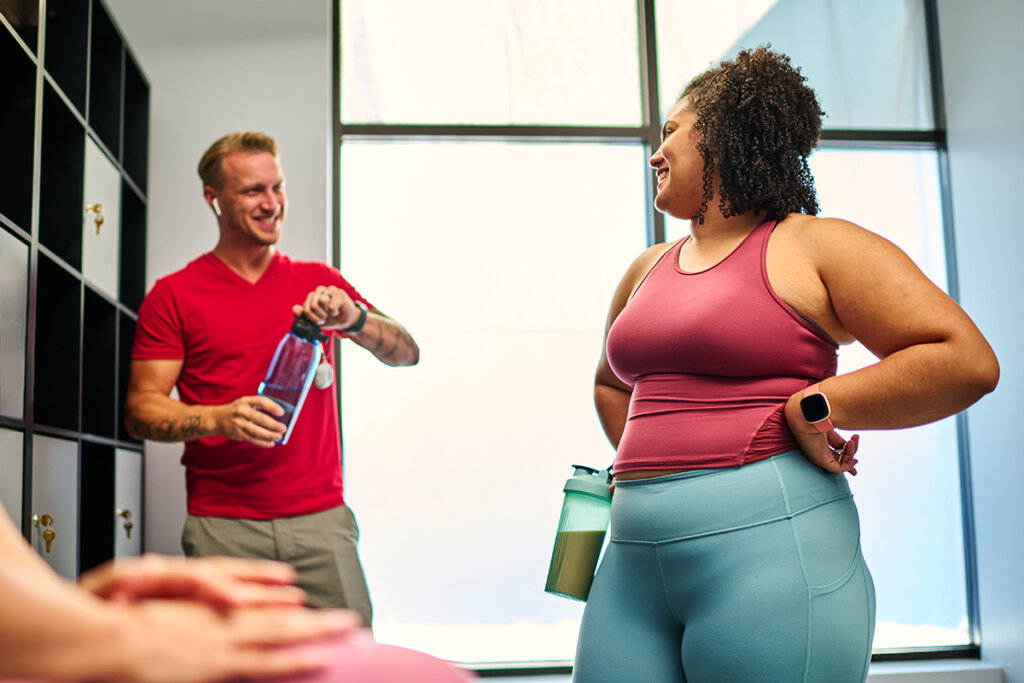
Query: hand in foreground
<point x="251" y="419"/>
<point x="180" y="642"/>
<point x="330" y="307"/>
<point x="220" y="582"/>
<point x="829" y="451"/>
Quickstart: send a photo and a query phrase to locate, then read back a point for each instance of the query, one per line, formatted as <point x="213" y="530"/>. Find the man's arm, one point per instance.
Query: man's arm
<point x="387" y="340"/>
<point x="333" y="309"/>
<point x="151" y="413"/>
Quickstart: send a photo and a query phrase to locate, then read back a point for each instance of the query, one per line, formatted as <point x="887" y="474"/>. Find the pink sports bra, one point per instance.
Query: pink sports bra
<point x="712" y="358"/>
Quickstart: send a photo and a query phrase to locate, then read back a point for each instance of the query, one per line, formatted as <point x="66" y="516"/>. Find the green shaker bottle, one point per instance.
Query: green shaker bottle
<point x="586" y="511"/>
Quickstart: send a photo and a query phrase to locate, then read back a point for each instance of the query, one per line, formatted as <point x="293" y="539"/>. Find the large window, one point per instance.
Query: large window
<point x="493" y="187"/>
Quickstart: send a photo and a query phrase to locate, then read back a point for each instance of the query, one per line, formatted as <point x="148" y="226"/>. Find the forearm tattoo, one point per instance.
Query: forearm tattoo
<point x="191" y="427"/>
<point x="380" y="338"/>
<point x="401" y="337"/>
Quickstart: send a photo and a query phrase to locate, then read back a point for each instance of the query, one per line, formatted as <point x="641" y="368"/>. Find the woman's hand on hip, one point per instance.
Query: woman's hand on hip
<point x="827" y="450"/>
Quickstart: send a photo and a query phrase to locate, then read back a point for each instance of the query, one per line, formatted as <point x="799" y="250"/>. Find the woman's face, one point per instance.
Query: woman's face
<point x="678" y="166"/>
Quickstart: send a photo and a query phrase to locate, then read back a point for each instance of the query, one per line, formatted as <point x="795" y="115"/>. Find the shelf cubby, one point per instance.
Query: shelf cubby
<point x="61" y="172"/>
<point x="18" y="83"/>
<point x="127" y="337"/>
<point x="23" y="16"/>
<point x="67" y="41"/>
<point x="99" y="365"/>
<point x="57" y="347"/>
<point x="136" y="122"/>
<point x="133" y="247"/>
<point x="96" y="506"/>
<point x="106" y="66"/>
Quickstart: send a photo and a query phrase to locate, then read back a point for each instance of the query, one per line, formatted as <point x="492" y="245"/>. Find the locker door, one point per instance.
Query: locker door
<point x="101" y="224"/>
<point x="11" y="473"/>
<point x="128" y="520"/>
<point x="55" y="502"/>
<point x="13" y="317"/>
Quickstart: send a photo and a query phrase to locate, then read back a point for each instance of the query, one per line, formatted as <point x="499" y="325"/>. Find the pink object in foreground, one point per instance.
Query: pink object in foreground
<point x="357" y="658"/>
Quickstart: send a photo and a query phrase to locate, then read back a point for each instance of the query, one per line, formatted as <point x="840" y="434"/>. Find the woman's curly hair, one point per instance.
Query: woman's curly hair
<point x="758" y="123"/>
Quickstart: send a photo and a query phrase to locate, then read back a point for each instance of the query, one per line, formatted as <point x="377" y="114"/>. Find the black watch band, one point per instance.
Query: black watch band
<point x="360" y="322"/>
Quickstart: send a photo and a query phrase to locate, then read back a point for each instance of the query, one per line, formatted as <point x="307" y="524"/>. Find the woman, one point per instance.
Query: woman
<point x="734" y="546"/>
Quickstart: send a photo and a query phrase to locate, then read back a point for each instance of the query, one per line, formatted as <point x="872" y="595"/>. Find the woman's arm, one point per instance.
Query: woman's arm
<point x="933" y="360"/>
<point x="611" y="394"/>
<point x="53" y="631"/>
<point x="220" y="582"/>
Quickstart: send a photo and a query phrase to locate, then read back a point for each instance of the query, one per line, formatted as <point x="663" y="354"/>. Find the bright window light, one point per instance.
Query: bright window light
<point x="501" y="260"/>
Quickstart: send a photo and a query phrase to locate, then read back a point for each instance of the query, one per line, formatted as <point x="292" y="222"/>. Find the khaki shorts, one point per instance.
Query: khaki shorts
<point x="321" y="546"/>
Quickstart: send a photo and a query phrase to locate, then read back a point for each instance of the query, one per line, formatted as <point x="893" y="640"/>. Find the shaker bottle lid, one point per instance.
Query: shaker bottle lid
<point x="591" y="481"/>
<point x="307" y="329"/>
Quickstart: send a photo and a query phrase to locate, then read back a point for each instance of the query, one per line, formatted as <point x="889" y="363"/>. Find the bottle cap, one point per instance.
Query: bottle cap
<point x="307" y="329"/>
<point x="590" y="481"/>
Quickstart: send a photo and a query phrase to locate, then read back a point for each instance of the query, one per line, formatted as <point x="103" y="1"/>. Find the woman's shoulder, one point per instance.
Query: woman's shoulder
<point x="804" y="226"/>
<point x="828" y="237"/>
<point x="651" y="255"/>
<point x="639" y="269"/>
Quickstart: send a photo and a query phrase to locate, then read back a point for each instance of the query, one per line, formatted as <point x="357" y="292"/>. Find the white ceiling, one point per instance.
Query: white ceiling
<point x="156" y="24"/>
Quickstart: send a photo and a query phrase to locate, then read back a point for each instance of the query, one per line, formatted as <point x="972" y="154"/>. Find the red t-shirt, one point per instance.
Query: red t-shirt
<point x="226" y="330"/>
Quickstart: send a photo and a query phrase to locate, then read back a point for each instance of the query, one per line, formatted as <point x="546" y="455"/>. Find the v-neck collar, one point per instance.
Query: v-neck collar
<point x="220" y="264"/>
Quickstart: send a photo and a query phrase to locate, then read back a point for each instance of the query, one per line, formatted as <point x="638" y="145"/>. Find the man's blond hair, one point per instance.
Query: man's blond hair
<point x="248" y="142"/>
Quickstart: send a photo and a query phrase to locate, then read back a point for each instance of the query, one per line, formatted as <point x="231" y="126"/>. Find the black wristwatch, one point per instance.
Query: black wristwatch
<point x="816" y="409"/>
<point x="360" y="321"/>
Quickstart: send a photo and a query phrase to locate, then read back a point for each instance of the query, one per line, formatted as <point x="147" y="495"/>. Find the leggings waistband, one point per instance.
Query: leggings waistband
<point x="688" y="505"/>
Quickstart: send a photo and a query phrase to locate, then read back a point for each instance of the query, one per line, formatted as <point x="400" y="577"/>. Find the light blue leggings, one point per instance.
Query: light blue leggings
<point x="734" y="575"/>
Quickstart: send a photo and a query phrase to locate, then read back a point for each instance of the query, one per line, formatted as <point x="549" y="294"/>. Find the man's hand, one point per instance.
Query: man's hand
<point x="329" y="307"/>
<point x="251" y="419"/>
<point x="333" y="309"/>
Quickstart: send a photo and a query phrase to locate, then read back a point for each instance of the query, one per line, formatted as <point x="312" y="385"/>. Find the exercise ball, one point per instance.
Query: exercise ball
<point x="358" y="658"/>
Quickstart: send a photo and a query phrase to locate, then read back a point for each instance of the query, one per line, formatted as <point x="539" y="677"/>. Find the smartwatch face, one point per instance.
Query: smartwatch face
<point x="814" y="407"/>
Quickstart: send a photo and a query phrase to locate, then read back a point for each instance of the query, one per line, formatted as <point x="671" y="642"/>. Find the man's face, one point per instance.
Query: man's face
<point x="252" y="196"/>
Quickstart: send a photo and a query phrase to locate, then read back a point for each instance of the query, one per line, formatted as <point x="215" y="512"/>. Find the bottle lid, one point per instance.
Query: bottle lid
<point x="307" y="329"/>
<point x="590" y="481"/>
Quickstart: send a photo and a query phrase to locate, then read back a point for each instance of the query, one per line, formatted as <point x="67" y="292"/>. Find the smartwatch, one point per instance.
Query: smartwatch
<point x="816" y="409"/>
<point x="360" y="321"/>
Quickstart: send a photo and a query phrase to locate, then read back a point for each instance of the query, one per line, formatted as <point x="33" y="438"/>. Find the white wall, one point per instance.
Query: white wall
<point x="982" y="56"/>
<point x="215" y="66"/>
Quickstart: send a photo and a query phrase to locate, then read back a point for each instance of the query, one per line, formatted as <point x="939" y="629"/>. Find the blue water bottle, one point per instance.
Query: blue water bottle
<point x="292" y="370"/>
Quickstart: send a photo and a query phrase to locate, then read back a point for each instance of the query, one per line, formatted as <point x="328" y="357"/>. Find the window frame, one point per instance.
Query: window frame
<point x="649" y="134"/>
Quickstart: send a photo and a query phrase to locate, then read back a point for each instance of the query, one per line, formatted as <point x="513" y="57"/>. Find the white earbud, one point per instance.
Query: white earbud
<point x="216" y="207"/>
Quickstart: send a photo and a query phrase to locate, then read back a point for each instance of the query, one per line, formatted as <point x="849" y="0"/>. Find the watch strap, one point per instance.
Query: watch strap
<point x="360" y="322"/>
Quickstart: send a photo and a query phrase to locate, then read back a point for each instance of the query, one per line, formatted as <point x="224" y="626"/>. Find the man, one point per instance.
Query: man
<point x="211" y="329"/>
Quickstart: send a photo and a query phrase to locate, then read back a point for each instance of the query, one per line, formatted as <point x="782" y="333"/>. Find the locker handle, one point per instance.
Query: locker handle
<point x="126" y="515"/>
<point x="45" y="521"/>
<point x="97" y="211"/>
